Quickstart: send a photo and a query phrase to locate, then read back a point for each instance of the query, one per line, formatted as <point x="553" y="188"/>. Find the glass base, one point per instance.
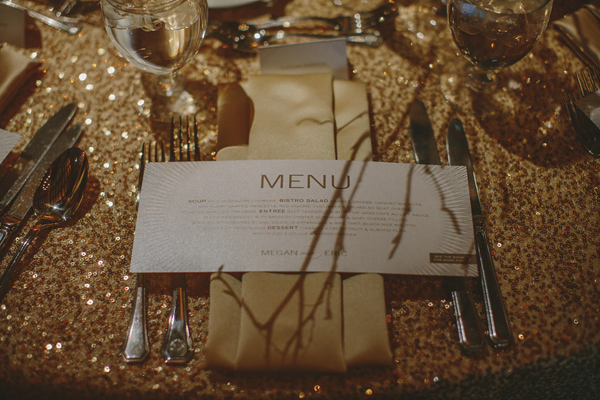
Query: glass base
<point x="164" y="107"/>
<point x="171" y="94"/>
<point x="480" y="97"/>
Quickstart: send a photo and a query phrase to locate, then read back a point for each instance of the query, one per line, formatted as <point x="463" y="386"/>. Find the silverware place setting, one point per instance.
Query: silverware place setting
<point x="358" y="28"/>
<point x="177" y="346"/>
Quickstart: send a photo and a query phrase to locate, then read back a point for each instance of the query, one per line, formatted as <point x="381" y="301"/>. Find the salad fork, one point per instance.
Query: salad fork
<point x="136" y="348"/>
<point x="359" y="22"/>
<point x="178" y="345"/>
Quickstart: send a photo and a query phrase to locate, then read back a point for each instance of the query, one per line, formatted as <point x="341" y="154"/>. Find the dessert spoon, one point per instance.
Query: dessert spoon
<point x="56" y="199"/>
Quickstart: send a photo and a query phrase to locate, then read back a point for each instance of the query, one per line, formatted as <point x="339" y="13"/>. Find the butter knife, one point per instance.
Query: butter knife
<point x="32" y="154"/>
<point x="470" y="334"/>
<point x="12" y="219"/>
<point x="498" y="325"/>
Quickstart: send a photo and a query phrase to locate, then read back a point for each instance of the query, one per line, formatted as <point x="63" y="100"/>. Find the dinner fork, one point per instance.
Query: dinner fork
<point x="247" y="38"/>
<point x="178" y="346"/>
<point x="359" y="22"/>
<point x="136" y="348"/>
<point x="588" y="81"/>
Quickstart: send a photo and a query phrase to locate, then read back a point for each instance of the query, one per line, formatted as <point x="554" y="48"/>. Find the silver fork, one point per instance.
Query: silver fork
<point x="359" y="22"/>
<point x="66" y="24"/>
<point x="247" y="38"/>
<point x="588" y="81"/>
<point x="178" y="346"/>
<point x="136" y="348"/>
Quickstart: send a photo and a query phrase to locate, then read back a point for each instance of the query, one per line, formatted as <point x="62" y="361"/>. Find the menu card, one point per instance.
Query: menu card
<point x="305" y="215"/>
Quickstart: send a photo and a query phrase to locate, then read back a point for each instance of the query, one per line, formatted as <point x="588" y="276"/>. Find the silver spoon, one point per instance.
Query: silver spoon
<point x="56" y="199"/>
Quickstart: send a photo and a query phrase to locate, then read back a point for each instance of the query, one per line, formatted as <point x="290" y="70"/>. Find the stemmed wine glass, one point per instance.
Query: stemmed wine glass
<point x="157" y="36"/>
<point x="494" y="34"/>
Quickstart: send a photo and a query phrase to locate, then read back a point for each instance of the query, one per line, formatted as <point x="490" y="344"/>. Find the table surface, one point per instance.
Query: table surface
<point x="63" y="323"/>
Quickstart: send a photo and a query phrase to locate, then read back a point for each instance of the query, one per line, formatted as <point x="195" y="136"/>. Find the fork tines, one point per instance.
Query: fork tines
<point x="155" y="152"/>
<point x="184" y="139"/>
<point x="588" y="81"/>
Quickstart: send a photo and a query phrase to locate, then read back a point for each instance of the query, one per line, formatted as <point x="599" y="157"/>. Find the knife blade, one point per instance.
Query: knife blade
<point x="423" y="141"/>
<point x="470" y="335"/>
<point x="14" y="216"/>
<point x="34" y="151"/>
<point x="498" y="325"/>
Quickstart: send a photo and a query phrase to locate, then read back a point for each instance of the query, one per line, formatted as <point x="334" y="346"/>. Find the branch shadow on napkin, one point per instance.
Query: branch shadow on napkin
<point x="297" y="322"/>
<point x="307" y="116"/>
<point x="301" y="321"/>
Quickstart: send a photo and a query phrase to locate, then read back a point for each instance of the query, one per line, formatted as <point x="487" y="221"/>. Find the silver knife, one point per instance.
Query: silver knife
<point x="20" y="207"/>
<point x="498" y="325"/>
<point x="34" y="151"/>
<point x="425" y="149"/>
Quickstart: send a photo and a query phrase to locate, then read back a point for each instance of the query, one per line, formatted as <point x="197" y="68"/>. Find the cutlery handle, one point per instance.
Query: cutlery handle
<point x="136" y="348"/>
<point x="8" y="227"/>
<point x="470" y="334"/>
<point x="7" y="274"/>
<point x="178" y="347"/>
<point x="499" y="328"/>
<point x="371" y="39"/>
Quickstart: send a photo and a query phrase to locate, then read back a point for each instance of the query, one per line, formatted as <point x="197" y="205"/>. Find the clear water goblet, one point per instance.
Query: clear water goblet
<point x="157" y="36"/>
<point x="494" y="34"/>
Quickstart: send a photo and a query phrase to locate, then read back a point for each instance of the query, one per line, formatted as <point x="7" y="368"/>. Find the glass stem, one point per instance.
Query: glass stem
<point x="480" y="79"/>
<point x="170" y="85"/>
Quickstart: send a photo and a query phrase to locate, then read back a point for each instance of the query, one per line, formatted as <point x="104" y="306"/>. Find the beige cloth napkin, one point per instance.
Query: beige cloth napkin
<point x="15" y="69"/>
<point x="581" y="31"/>
<point x="301" y="322"/>
<point x="294" y="117"/>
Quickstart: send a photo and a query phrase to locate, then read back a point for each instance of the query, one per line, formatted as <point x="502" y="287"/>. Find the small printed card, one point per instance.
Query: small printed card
<point x="303" y="58"/>
<point x="305" y="215"/>
<point x="8" y="141"/>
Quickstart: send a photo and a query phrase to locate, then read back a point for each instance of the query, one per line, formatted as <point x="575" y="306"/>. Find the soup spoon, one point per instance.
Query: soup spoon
<point x="56" y="199"/>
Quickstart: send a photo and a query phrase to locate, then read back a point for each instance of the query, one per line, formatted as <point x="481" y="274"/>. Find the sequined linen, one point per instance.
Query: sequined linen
<point x="63" y="324"/>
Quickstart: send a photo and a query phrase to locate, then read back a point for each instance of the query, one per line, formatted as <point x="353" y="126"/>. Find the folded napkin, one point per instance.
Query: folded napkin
<point x="307" y="116"/>
<point x="300" y="322"/>
<point x="581" y="31"/>
<point x="15" y="69"/>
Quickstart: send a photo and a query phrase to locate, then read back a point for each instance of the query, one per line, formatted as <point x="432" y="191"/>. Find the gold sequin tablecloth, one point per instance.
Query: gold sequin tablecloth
<point x="63" y="323"/>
